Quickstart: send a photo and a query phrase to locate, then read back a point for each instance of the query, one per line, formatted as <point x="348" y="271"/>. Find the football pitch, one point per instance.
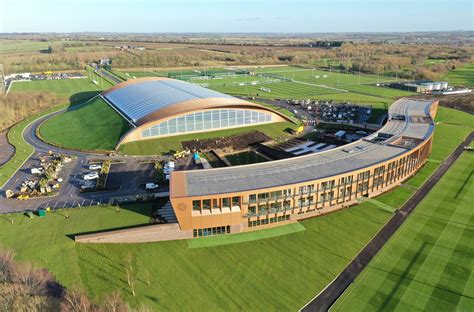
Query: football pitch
<point x="283" y="82"/>
<point x="75" y="89"/>
<point x="428" y="263"/>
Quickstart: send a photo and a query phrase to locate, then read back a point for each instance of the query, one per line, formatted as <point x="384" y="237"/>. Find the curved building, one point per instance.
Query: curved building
<point x="235" y="199"/>
<point x="161" y="107"/>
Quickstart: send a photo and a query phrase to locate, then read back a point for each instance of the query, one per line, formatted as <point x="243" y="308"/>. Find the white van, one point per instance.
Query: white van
<point x="151" y="186"/>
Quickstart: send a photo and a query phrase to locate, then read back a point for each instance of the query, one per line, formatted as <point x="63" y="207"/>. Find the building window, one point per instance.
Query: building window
<point x="197" y="205"/>
<point x="236" y="201"/>
<point x="208" y="120"/>
<point x="215" y="203"/>
<point x="206" y="204"/>
<point x="225" y="203"/>
<point x="252" y="198"/>
<point x="217" y="230"/>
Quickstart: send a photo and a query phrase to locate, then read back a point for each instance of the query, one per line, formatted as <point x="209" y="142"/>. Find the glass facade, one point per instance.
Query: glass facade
<point x="207" y="120"/>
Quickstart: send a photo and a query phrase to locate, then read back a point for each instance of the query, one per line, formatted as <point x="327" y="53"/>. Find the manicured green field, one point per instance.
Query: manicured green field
<point x="93" y="126"/>
<point x="74" y="89"/>
<point x="173" y="144"/>
<point x="281" y="272"/>
<point x="428" y="264"/>
<point x="462" y="76"/>
<point x="245" y="158"/>
<point x="22" y="46"/>
<point x="308" y="83"/>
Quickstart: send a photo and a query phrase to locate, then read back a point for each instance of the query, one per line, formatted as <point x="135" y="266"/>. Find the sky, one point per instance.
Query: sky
<point x="289" y="16"/>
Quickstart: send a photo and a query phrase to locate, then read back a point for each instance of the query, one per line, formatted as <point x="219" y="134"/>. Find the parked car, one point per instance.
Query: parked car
<point x="151" y="186"/>
<point x="95" y="167"/>
<point x="91" y="176"/>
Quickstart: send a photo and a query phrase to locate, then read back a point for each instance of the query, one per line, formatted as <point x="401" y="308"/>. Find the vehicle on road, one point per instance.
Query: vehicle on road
<point x="151" y="186"/>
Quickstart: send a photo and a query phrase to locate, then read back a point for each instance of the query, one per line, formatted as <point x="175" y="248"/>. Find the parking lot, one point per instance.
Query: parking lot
<point x="130" y="175"/>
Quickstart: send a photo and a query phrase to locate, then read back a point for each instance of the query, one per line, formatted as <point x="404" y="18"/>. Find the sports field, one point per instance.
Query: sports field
<point x="283" y="82"/>
<point x="462" y="76"/>
<point x="428" y="264"/>
<point x="72" y="89"/>
<point x="93" y="126"/>
<point x="245" y="158"/>
<point x="279" y="272"/>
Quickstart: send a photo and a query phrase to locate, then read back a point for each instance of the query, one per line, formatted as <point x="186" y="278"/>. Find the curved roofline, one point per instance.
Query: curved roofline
<point x="398" y="128"/>
<point x="187" y="105"/>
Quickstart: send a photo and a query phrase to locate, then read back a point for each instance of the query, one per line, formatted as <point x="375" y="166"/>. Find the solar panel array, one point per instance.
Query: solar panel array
<point x="138" y="100"/>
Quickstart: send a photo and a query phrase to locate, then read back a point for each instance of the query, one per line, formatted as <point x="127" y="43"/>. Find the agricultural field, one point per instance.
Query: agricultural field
<point x="93" y="126"/>
<point x="249" y="274"/>
<point x="462" y="76"/>
<point x="173" y="144"/>
<point x="427" y="265"/>
<point x="22" y="46"/>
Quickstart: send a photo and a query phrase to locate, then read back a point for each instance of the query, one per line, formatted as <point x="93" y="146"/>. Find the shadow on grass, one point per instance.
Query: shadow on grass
<point x="81" y="97"/>
<point x="144" y="209"/>
<point x="128" y="227"/>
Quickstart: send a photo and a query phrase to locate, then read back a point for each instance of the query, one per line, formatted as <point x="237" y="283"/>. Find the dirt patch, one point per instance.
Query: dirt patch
<point x="228" y="144"/>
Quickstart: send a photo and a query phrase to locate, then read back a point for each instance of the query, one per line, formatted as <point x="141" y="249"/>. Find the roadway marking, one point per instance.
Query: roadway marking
<point x="54" y="208"/>
<point x="91" y="203"/>
<point x="65" y="204"/>
<point x="82" y="204"/>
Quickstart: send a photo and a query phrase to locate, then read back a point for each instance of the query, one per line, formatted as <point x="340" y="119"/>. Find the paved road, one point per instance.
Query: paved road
<point x="69" y="195"/>
<point x="326" y="298"/>
<point x="6" y="150"/>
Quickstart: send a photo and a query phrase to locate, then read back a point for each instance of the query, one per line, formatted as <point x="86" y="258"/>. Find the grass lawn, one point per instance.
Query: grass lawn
<point x="245" y="158"/>
<point x="428" y="264"/>
<point x="172" y="144"/>
<point x="94" y="126"/>
<point x="462" y="76"/>
<point x="252" y="275"/>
